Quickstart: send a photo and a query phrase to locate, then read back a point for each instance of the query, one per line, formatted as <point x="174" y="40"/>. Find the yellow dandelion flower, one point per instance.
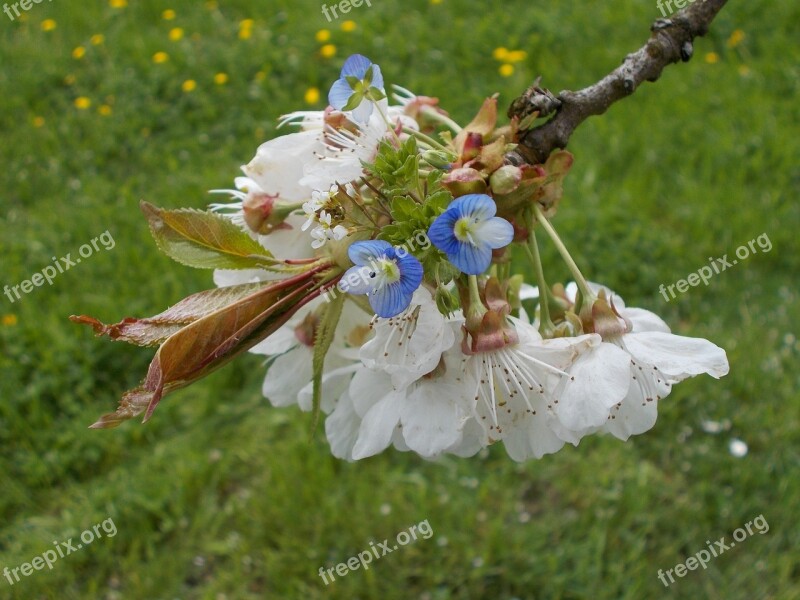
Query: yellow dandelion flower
<point x="49" y="25"/>
<point x="323" y="35"/>
<point x="104" y="110"/>
<point x="175" y="34"/>
<point x="312" y="95"/>
<point x="160" y="57"/>
<point x="245" y="33"/>
<point x="328" y="51"/>
<point x="712" y="58"/>
<point x="436" y="1"/>
<point x="506" y="70"/>
<point x="38" y="121"/>
<point x="189" y="85"/>
<point x="246" y="24"/>
<point x="118" y="3"/>
<point x="515" y="56"/>
<point x="9" y="320"/>
<point x="97" y="39"/>
<point x="82" y="103"/>
<point x="221" y="78"/>
<point x="736" y="38"/>
<point x="78" y="52"/>
<point x="168" y="14"/>
<point x="348" y="26"/>
<point x="500" y="53"/>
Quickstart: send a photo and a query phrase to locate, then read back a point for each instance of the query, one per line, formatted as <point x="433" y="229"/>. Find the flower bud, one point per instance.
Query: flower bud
<point x="463" y="181"/>
<point x="306" y="331"/>
<point x="437" y="159"/>
<point x="446" y="301"/>
<point x="263" y="214"/>
<point x="505" y="179"/>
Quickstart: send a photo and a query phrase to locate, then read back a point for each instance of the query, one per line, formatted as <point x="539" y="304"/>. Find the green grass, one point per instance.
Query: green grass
<point x="221" y="496"/>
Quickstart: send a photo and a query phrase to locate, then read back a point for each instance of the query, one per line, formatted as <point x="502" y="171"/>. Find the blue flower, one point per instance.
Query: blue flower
<point x="358" y="87"/>
<point x="388" y="276"/>
<point x="468" y="231"/>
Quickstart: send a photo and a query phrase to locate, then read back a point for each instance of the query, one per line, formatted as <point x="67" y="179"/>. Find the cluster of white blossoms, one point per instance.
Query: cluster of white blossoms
<point x="367" y="257"/>
<point x="441" y="360"/>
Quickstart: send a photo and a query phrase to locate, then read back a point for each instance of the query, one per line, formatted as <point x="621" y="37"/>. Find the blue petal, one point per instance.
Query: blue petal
<point x="495" y="232"/>
<point x="377" y="76"/>
<point x="476" y="206"/>
<point x="362" y="112"/>
<point x="357" y="65"/>
<point x="362" y="253"/>
<point x="411" y="273"/>
<point x="442" y="232"/>
<point x="470" y="259"/>
<point x="340" y="93"/>
<point x="357" y="280"/>
<point x="390" y="300"/>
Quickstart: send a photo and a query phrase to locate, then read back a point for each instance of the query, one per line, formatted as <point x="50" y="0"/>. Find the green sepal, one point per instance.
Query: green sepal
<point x="322" y="343"/>
<point x="353" y="101"/>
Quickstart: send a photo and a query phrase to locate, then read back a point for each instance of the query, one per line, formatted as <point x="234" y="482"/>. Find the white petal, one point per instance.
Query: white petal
<point x="644" y="320"/>
<point x="599" y="379"/>
<point x="287" y="375"/>
<point x="432" y="416"/>
<point x="278" y="164"/>
<point x="471" y="441"/>
<point x="362" y="112"/>
<point x="341" y="428"/>
<point x="533" y="441"/>
<point x="226" y="277"/>
<point x="676" y="356"/>
<point x="408" y="348"/>
<point x="496" y="232"/>
<point x="571" y="291"/>
<point x="635" y="416"/>
<point x="528" y="292"/>
<point x="288" y="243"/>
<point x="367" y="388"/>
<point x="377" y="426"/>
<point x="334" y="383"/>
<point x="283" y="340"/>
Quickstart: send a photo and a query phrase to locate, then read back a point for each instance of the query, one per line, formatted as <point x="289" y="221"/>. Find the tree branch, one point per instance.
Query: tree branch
<point x="671" y="40"/>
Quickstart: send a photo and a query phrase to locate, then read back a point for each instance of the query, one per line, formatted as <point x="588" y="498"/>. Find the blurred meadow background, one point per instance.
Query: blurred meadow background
<point x="221" y="496"/>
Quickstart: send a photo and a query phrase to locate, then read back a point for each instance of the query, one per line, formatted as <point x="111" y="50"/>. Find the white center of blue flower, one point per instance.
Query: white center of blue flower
<point x="464" y="229"/>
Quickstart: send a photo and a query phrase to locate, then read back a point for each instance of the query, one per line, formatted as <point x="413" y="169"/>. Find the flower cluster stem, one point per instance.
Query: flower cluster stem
<point x="546" y="326"/>
<point x="426" y="139"/>
<point x="562" y="250"/>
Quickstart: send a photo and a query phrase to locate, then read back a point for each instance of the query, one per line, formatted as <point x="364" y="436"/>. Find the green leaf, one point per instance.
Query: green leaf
<point x="322" y="342"/>
<point x="204" y="240"/>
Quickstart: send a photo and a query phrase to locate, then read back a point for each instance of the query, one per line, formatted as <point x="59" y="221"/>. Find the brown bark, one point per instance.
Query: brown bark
<point x="671" y="40"/>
